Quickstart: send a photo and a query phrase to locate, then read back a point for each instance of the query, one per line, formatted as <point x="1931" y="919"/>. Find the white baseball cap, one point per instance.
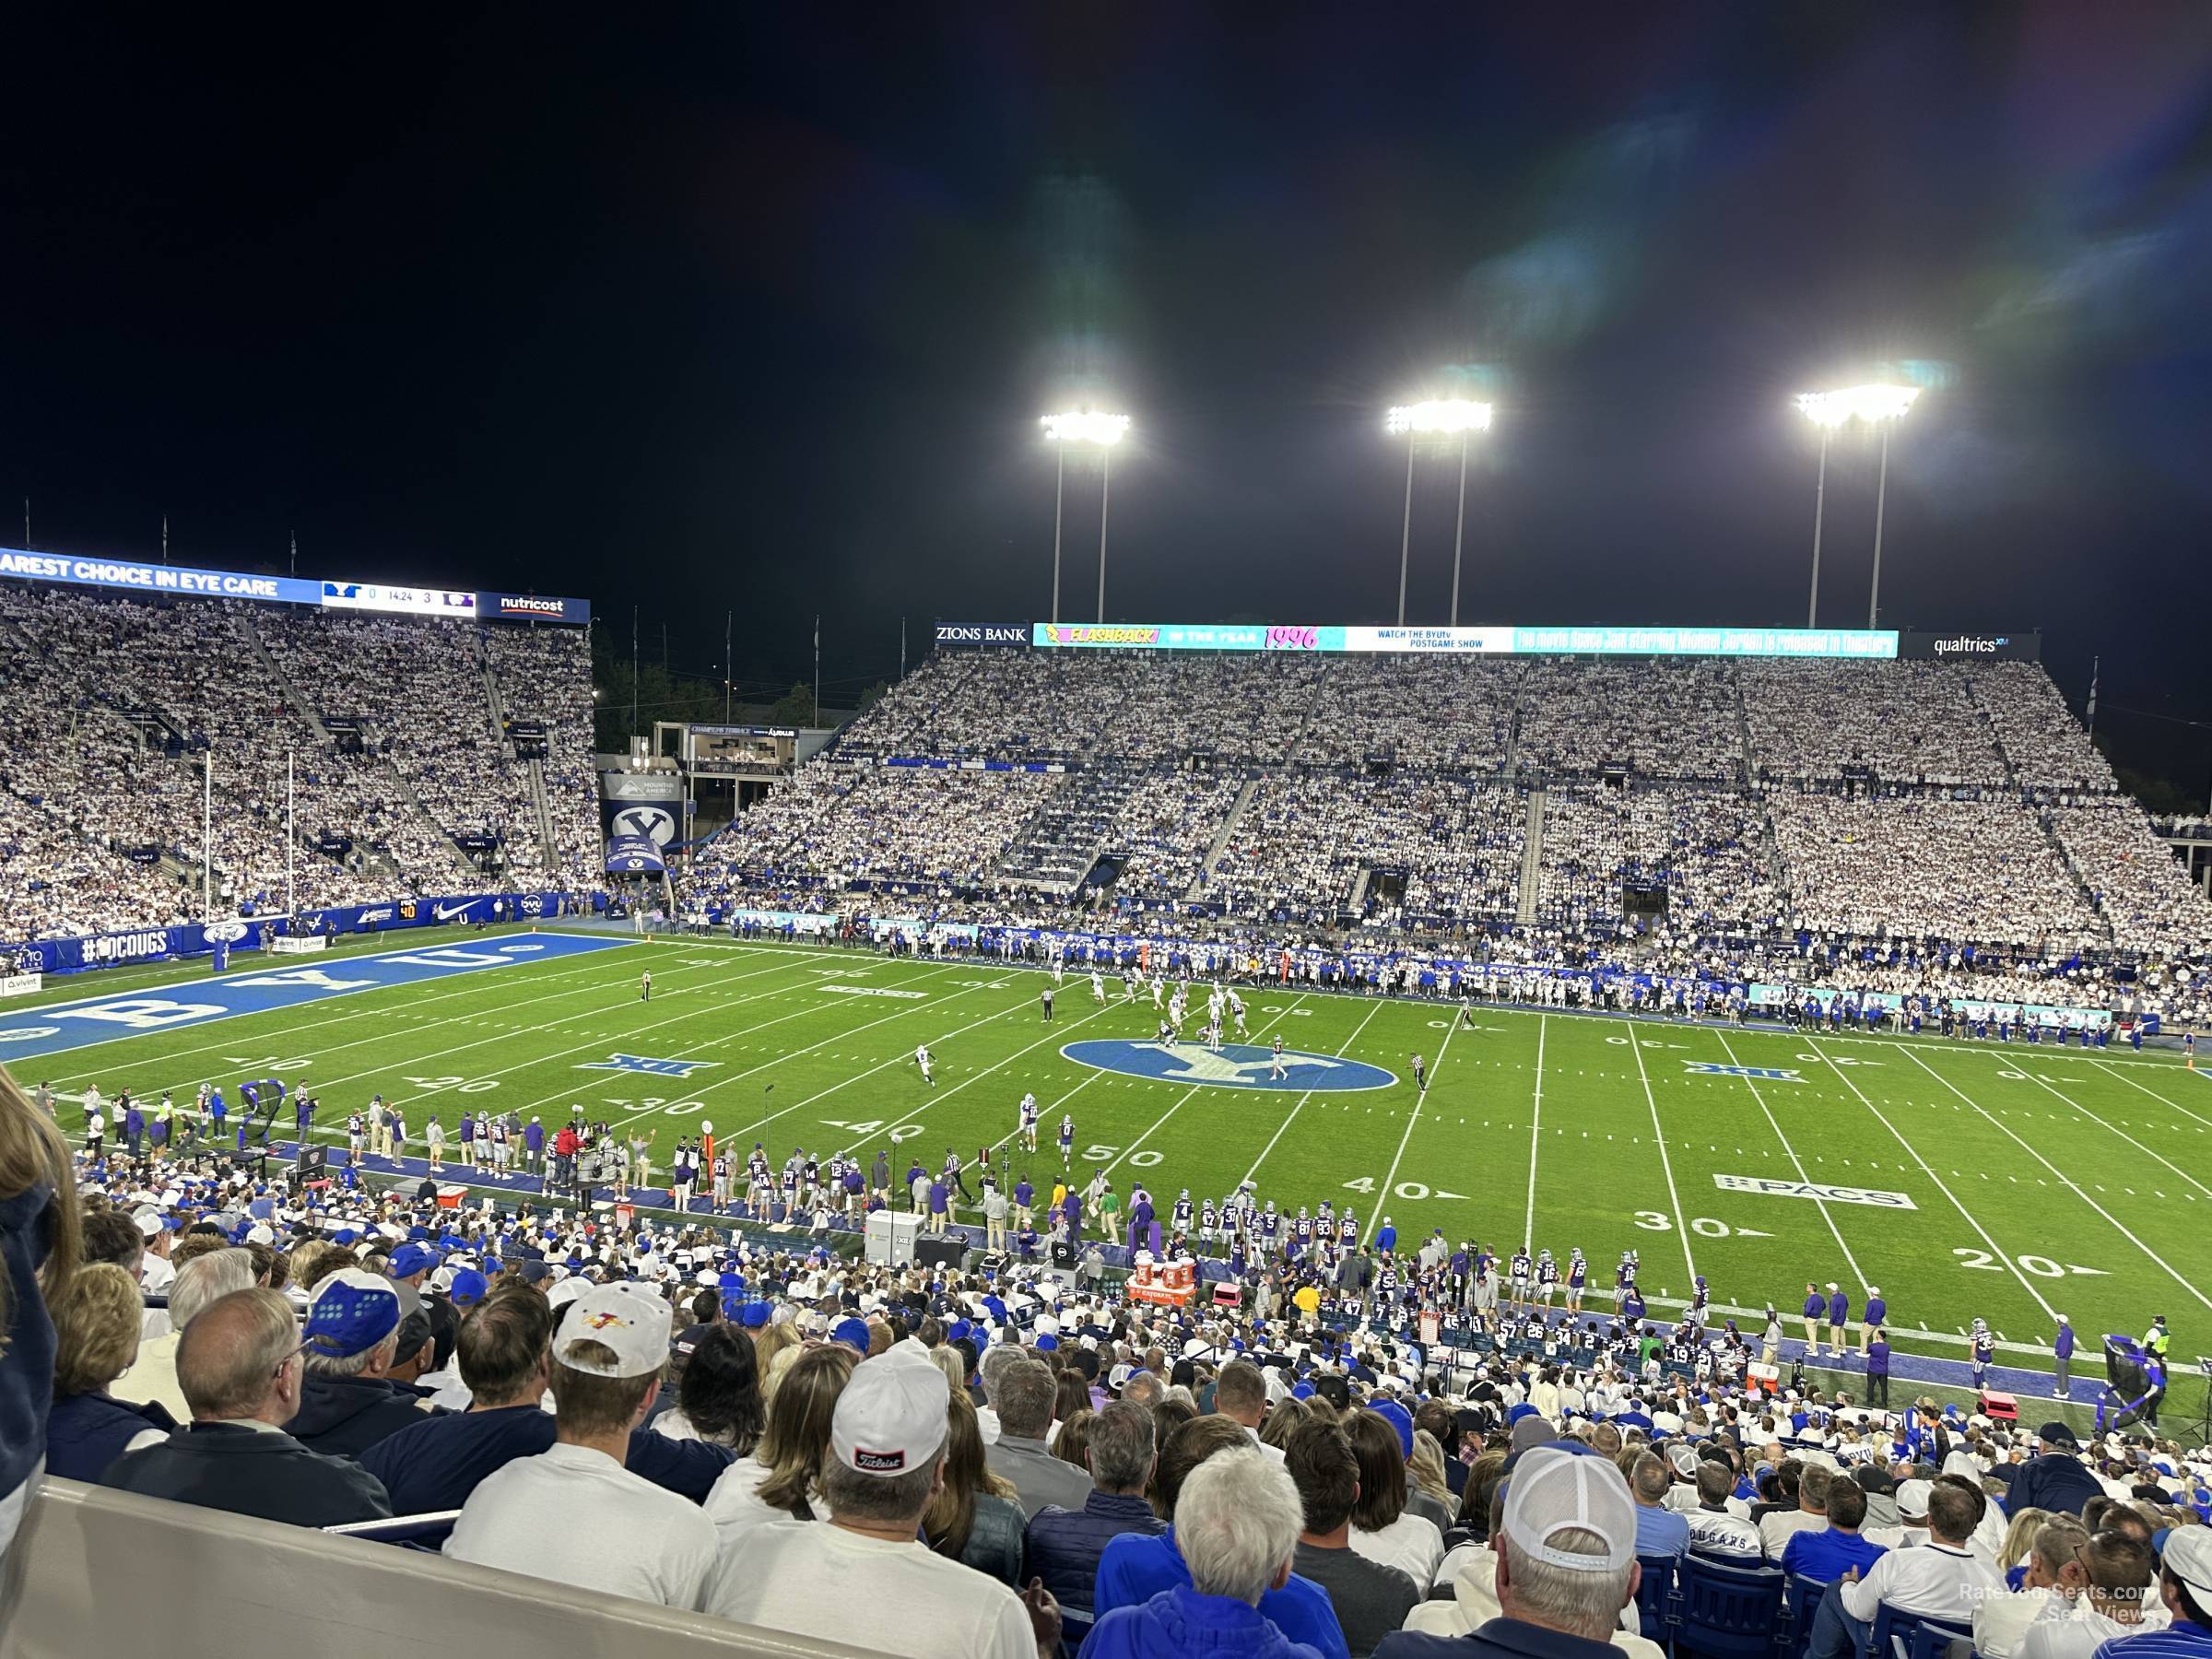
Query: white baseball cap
<point x="633" y="1328"/>
<point x="1913" y="1497"/>
<point x="2188" y="1556"/>
<point x="1552" y="1490"/>
<point x="891" y="1418"/>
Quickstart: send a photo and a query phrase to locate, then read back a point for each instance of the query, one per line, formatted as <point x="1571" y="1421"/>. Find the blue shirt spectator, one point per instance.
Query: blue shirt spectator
<point x="1134" y="1570"/>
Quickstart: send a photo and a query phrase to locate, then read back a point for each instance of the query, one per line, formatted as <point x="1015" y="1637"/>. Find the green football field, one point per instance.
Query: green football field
<point x="2013" y="1183"/>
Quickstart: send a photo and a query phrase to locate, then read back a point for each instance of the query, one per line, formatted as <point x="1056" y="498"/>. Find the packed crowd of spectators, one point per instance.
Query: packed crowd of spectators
<point x="2041" y="741"/>
<point x="1166" y="821"/>
<point x="1661" y="719"/>
<point x="1928" y="865"/>
<point x="1297" y="855"/>
<point x="1705" y="848"/>
<point x="1908" y="723"/>
<point x="119" y="702"/>
<point x="991" y="1462"/>
<point x="839" y="822"/>
<point x="2140" y="887"/>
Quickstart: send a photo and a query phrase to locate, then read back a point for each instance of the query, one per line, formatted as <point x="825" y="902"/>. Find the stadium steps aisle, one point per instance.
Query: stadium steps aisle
<point x="251" y="634"/>
<point x="1532" y="858"/>
<point x="2066" y="858"/>
<point x="1228" y="827"/>
<point x="1743" y="731"/>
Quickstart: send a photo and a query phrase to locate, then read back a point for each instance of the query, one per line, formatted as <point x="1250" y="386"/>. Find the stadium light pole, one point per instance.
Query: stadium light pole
<point x="1878" y="405"/>
<point x="1103" y="432"/>
<point x="1437" y="417"/>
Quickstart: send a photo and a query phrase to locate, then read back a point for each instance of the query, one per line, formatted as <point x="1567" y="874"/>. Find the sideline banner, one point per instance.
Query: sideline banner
<point x="255" y="933"/>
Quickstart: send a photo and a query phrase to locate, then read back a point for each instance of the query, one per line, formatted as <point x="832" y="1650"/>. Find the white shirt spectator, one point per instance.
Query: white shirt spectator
<point x="578" y="1517"/>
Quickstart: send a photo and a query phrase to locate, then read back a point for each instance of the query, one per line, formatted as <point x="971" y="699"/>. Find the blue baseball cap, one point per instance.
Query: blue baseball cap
<point x="468" y="1287"/>
<point x="352" y="1313"/>
<point x="1046" y="1343"/>
<point x="854" y="1334"/>
<point x="411" y="1259"/>
<point x="756" y="1314"/>
<point x="733" y="1304"/>
<point x="346" y="1235"/>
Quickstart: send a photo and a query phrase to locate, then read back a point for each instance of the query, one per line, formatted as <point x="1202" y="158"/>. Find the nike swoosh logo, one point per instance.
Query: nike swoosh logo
<point x="447" y="912"/>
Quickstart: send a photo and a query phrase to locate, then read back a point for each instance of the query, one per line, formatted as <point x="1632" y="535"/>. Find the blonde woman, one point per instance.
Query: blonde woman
<point x="782" y="1479"/>
<point x="39" y="1249"/>
<point x="1427" y="1467"/>
<point x="976" y="1518"/>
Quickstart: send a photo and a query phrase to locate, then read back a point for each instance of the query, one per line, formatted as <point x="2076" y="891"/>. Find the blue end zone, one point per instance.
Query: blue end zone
<point x="1233" y="1065"/>
<point x="94" y="1020"/>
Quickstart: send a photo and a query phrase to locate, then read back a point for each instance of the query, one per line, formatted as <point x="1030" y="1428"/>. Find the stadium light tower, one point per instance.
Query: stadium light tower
<point x="1437" y="417"/>
<point x="1878" y="405"/>
<point x="1100" y="432"/>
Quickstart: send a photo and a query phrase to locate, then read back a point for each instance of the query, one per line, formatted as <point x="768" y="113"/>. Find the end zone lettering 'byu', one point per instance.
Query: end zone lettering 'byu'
<point x="95" y="1021"/>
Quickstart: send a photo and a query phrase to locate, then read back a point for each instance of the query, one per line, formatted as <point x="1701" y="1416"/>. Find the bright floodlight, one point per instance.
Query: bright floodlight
<point x="1857" y="402"/>
<point x="1084" y="426"/>
<point x="1439" y="415"/>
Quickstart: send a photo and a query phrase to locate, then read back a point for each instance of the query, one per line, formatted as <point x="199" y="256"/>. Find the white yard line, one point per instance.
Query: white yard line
<point x="1797" y="1163"/>
<point x="1666" y="1163"/>
<point x="1278" y="1017"/>
<point x="1994" y="1250"/>
<point x="2045" y="1083"/>
<point x="2154" y="1094"/>
<point x="1536" y="1131"/>
<point x="1309" y="1093"/>
<point x="2070" y="1185"/>
<point x="716" y="1042"/>
<point x="585" y="964"/>
<point x="1389" y="1180"/>
<point x="596" y="1042"/>
<point x="900" y="1121"/>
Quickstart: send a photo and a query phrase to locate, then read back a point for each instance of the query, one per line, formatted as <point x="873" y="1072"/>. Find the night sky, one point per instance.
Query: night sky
<point x="754" y="307"/>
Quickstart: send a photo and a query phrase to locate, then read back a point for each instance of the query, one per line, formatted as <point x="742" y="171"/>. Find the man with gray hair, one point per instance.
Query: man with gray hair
<point x="1566" y="1550"/>
<point x="1237" y="1521"/>
<point x="988" y="1370"/>
<point x="352" y="1331"/>
<point x="239" y="1363"/>
<point x="202" y="1280"/>
<point x="1062" y="1546"/>
<point x="886" y="1462"/>
<point x="1144" y="1388"/>
<point x="1026" y="1394"/>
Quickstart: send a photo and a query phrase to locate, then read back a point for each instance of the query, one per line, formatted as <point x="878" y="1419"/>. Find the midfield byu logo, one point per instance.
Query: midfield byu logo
<point x="1765" y="1074"/>
<point x="638" y="1063"/>
<point x="1239" y="1066"/>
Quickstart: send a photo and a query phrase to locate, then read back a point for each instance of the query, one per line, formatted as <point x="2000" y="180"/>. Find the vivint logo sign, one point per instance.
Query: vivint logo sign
<point x="1971" y="645"/>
